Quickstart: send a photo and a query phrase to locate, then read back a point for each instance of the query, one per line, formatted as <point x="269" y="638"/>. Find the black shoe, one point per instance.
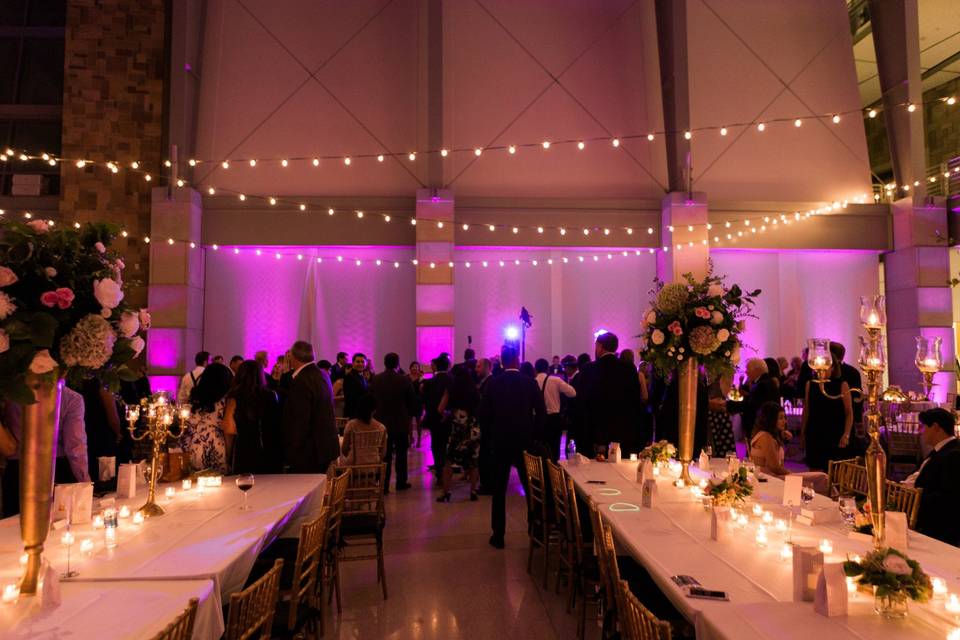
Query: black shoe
<point x="473" y="496"/>
<point x="496" y="542"/>
<point x="404" y="486"/>
<point x="444" y="498"/>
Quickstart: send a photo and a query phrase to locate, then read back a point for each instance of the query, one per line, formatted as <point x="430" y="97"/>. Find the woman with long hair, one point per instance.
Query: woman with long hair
<point x="827" y="417"/>
<point x="202" y="437"/>
<point x="251" y="422"/>
<point x="767" y="447"/>
<point x="459" y="406"/>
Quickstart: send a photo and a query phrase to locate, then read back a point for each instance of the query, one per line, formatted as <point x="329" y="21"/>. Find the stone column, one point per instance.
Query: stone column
<point x="919" y="298"/>
<point x="176" y="286"/>
<point x="435" y="293"/>
<point x="682" y="211"/>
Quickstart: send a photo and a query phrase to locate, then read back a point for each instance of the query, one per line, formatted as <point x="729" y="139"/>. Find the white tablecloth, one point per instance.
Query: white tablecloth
<point x="673" y="538"/>
<point x="199" y="537"/>
<point x="116" y="610"/>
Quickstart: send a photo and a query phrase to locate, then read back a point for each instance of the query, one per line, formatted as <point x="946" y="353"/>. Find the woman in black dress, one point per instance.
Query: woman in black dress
<point x="827" y="421"/>
<point x="459" y="406"/>
<point x="251" y="422"/>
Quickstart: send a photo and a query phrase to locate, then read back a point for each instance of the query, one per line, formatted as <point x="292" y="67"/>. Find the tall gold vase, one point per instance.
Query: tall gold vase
<point x="38" y="453"/>
<point x="687" y="381"/>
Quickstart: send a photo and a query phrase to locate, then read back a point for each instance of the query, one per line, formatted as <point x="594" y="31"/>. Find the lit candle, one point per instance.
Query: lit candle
<point x="757" y="510"/>
<point x="187" y="485"/>
<point x="697" y="492"/>
<point x="67" y="539"/>
<point x="761" y="537"/>
<point x="939" y="587"/>
<point x="10" y="593"/>
<point x="679" y="483"/>
<point x="86" y="546"/>
<point x="856" y="558"/>
<point x="98" y="522"/>
<point x="109" y="528"/>
<point x="24" y="559"/>
<point x="124" y="511"/>
<point x="767" y="517"/>
<point x="217" y="481"/>
<point x="953" y="604"/>
<point x="826" y="546"/>
<point x="780" y="525"/>
<point x="656" y="469"/>
<point x="170" y="492"/>
<point x="633" y="457"/>
<point x="873" y="321"/>
<point x="742" y="520"/>
<point x="851" y="585"/>
<point x="703" y="484"/>
<point x="138" y="517"/>
<point x="786" y="551"/>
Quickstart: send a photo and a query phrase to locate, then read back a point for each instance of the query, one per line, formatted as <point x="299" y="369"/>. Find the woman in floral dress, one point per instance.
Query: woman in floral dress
<point x="202" y="438"/>
<point x="459" y="406"/>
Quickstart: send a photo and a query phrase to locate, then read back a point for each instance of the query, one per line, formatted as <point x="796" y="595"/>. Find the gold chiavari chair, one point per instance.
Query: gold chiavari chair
<point x="851" y="478"/>
<point x="364" y="517"/>
<point x="368" y="445"/>
<point x="835" y="468"/>
<point x="906" y="499"/>
<point x="251" y="611"/>
<point x="300" y="593"/>
<point x="335" y="500"/>
<point x="561" y="508"/>
<point x="586" y="572"/>
<point x="538" y="528"/>
<point x="341" y="424"/>
<point x="636" y="621"/>
<point x="612" y="569"/>
<point x="182" y="626"/>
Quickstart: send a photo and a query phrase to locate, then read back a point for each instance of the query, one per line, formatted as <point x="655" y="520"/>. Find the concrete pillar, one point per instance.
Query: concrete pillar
<point x="683" y="211"/>
<point x="919" y="298"/>
<point x="176" y="286"/>
<point x="435" y="293"/>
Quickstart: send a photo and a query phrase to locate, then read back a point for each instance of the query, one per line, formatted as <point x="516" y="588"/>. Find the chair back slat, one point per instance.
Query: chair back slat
<point x="182" y="626"/>
<point x="364" y="492"/>
<point x="636" y="621"/>
<point x="906" y="499"/>
<point x="573" y="517"/>
<point x="536" y="487"/>
<point x="849" y="476"/>
<point x="561" y="507"/>
<point x="307" y="565"/>
<point x="368" y="445"/>
<point x="610" y="559"/>
<point x="336" y="501"/>
<point x="251" y="610"/>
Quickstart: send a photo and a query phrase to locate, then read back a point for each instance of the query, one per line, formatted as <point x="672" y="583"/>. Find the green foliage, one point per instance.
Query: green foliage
<point x="875" y="570"/>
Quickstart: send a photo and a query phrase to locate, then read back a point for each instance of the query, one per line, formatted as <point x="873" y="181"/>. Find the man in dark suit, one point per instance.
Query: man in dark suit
<point x="512" y="414"/>
<point x="433" y="390"/>
<point x="939" y="477"/>
<point x="611" y="398"/>
<point x="851" y="376"/>
<point x="395" y="403"/>
<point x="762" y="389"/>
<point x="354" y="386"/>
<point x="310" y="441"/>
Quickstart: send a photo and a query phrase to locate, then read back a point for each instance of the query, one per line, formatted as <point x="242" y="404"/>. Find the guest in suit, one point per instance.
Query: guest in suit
<point x="573" y="407"/>
<point x="354" y="386"/>
<point x="851" y="376"/>
<point x="763" y="388"/>
<point x="939" y="477"/>
<point x="512" y="413"/>
<point x="433" y="390"/>
<point x="310" y="440"/>
<point x="339" y="368"/>
<point x="612" y="401"/>
<point x="396" y="404"/>
<point x="485" y="463"/>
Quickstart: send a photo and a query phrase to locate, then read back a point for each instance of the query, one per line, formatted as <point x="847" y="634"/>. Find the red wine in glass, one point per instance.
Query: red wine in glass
<point x="245" y="483"/>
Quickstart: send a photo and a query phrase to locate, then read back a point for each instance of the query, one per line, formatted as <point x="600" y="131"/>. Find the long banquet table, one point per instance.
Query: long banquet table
<point x="673" y="538"/>
<point x="203" y="544"/>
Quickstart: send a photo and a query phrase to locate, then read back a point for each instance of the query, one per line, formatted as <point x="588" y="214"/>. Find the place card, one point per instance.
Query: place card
<point x="704" y="462"/>
<point x="613" y="452"/>
<point x="720" y="523"/>
<point x="108" y="467"/>
<point x="807" y="565"/>
<point x="895" y="530"/>
<point x="832" y="593"/>
<point x="792" y="488"/>
<point x="127" y="481"/>
<point x="649" y="492"/>
<point x="75" y="498"/>
<point x="645" y="471"/>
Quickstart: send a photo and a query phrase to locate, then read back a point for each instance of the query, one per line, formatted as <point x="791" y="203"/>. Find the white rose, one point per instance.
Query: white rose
<point x="657" y="337"/>
<point x="723" y="335"/>
<point x="6" y="306"/>
<point x="99" y="247"/>
<point x="7" y="277"/>
<point x="137" y="344"/>
<point x="107" y="292"/>
<point x="716" y="317"/>
<point x="651" y="317"/>
<point x="4" y="341"/>
<point x="51" y="272"/>
<point x="129" y="324"/>
<point x="42" y="363"/>
<point x="715" y="290"/>
<point x="897" y="565"/>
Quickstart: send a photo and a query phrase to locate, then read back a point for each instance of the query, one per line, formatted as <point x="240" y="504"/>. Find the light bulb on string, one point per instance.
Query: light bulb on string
<point x="581" y="145"/>
<point x="761" y="127"/>
<point x="284" y="163"/>
<point x="511" y="149"/>
<point x="650" y="137"/>
<point x="723" y="131"/>
<point x="412" y="156"/>
<point x="477" y="152"/>
<point x="615" y="142"/>
<point x="911" y="107"/>
<point x="380" y="158"/>
<point x="444" y="153"/>
<point x="316" y="162"/>
<point x="836" y="119"/>
<point x="686" y="135"/>
<point x="253" y="163"/>
<point x="346" y="161"/>
<point x="872" y="113"/>
<point x="545" y="144"/>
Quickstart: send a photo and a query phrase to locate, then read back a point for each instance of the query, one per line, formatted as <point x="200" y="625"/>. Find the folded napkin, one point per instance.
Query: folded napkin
<point x="807" y="565"/>
<point x="895" y="532"/>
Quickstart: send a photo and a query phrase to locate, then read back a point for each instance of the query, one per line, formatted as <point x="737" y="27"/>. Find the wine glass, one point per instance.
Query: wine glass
<point x="806" y="495"/>
<point x="245" y="483"/>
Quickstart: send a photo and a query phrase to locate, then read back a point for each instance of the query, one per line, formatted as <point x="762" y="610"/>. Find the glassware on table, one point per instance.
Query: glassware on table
<point x="806" y="495"/>
<point x="848" y="511"/>
<point x="245" y="483"/>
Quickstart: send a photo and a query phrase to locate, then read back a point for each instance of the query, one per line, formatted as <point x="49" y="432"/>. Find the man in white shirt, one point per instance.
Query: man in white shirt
<point x="72" y="462"/>
<point x="190" y="379"/>
<point x="551" y="387"/>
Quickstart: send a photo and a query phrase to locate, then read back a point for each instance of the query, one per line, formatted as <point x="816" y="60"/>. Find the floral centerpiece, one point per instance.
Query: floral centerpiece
<point x="696" y="318"/>
<point x="61" y="308"/>
<point x="61" y="316"/>
<point x="659" y="452"/>
<point x="730" y="490"/>
<point x="895" y="577"/>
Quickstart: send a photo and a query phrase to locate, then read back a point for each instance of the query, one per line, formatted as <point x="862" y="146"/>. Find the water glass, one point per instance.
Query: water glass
<point x="848" y="511"/>
<point x="806" y="496"/>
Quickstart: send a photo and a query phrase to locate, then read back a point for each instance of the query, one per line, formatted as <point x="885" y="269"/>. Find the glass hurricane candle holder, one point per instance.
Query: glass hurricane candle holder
<point x="872" y="356"/>
<point x="873" y="312"/>
<point x="818" y="355"/>
<point x="929" y="361"/>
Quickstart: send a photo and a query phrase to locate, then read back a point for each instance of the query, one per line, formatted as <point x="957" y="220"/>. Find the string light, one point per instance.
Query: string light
<point x="798" y="122"/>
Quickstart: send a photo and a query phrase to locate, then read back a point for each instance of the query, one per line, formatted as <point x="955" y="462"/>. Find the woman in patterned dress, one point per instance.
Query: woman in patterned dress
<point x="459" y="405"/>
<point x="721" y="429"/>
<point x="202" y="438"/>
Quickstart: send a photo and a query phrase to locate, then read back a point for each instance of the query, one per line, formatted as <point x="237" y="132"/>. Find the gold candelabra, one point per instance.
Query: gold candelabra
<point x="160" y="415"/>
<point x="929" y="362"/>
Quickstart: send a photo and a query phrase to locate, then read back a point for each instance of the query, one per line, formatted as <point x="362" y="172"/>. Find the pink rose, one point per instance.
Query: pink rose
<point x="107" y="292"/>
<point x="675" y="328"/>
<point x="702" y="312"/>
<point x="4" y="341"/>
<point x="137" y="344"/>
<point x="7" y="277"/>
<point x="129" y="324"/>
<point x="99" y="247"/>
<point x="50" y="272"/>
<point x="145" y="320"/>
<point x="64" y="297"/>
<point x="49" y="298"/>
<point x="39" y="226"/>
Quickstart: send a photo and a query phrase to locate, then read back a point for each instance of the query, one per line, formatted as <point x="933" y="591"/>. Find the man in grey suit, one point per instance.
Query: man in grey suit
<point x="310" y="441"/>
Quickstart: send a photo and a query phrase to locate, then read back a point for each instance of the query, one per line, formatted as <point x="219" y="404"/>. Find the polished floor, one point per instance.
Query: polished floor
<point x="445" y="581"/>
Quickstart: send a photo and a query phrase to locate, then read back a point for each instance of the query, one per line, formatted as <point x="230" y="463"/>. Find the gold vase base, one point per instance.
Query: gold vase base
<point x="685" y="474"/>
<point x="152" y="510"/>
<point x="31" y="575"/>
